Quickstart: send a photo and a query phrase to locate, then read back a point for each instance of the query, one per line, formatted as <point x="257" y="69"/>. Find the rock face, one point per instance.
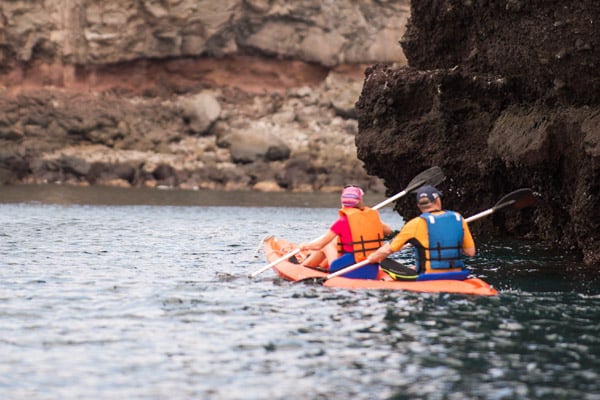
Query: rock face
<point x="231" y="94"/>
<point x="501" y="94"/>
<point x="105" y="32"/>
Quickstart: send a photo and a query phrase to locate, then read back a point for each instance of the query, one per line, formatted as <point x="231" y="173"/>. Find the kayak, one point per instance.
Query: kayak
<point x="276" y="248"/>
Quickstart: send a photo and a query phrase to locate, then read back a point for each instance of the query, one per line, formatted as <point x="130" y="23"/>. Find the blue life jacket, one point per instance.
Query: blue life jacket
<point x="446" y="234"/>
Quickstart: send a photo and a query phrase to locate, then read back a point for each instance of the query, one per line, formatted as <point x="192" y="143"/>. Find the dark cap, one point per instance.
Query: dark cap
<point x="427" y="194"/>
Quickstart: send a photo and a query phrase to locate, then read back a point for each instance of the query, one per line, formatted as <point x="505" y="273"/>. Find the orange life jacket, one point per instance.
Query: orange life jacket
<point x="366" y="230"/>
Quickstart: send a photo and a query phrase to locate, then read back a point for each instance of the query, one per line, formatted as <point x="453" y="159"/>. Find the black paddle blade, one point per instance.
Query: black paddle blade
<point x="432" y="176"/>
<point x="519" y="199"/>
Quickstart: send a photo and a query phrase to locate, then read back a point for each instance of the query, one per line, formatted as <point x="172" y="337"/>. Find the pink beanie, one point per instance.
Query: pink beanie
<point x="351" y="196"/>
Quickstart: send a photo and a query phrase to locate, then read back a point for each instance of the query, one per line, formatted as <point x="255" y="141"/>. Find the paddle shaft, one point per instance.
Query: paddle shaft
<point x="274" y="263"/>
<point x="388" y="201"/>
<point x="480" y="215"/>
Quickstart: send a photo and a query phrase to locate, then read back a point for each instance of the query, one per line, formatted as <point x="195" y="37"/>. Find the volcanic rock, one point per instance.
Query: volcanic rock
<point x="501" y="95"/>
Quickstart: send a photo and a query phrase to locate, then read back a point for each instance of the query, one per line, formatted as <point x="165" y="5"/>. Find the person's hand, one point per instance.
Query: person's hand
<point x="373" y="258"/>
<point x="304" y="246"/>
<point x="380" y="254"/>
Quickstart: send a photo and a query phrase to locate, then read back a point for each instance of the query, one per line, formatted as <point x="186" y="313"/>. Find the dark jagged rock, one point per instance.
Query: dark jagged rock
<point x="501" y="94"/>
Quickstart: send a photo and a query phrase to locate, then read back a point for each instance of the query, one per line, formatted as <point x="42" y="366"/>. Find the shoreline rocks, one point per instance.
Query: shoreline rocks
<point x="146" y="93"/>
<point x="223" y="138"/>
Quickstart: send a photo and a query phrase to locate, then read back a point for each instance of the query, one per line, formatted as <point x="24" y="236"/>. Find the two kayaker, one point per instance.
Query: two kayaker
<point x="356" y="234"/>
<point x="440" y="238"/>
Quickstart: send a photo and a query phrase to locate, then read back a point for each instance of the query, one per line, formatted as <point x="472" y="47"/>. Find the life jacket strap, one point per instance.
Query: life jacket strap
<point x="438" y="250"/>
<point x="439" y="254"/>
<point x="365" y="245"/>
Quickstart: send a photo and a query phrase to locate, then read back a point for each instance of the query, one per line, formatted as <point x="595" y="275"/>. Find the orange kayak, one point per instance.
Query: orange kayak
<point x="276" y="248"/>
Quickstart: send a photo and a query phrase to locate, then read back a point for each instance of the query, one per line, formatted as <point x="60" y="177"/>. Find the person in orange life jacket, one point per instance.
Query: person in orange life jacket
<point x="440" y="237"/>
<point x="352" y="237"/>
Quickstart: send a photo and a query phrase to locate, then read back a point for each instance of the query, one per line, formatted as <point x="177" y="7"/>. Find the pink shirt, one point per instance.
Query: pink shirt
<point x="341" y="227"/>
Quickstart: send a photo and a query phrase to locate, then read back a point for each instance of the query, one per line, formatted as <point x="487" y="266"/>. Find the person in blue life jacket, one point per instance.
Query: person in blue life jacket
<point x="356" y="233"/>
<point x="440" y="238"/>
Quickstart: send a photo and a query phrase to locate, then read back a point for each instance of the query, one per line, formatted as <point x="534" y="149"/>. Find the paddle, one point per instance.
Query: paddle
<point x="274" y="263"/>
<point x="518" y="199"/>
<point x="262" y="241"/>
<point x="432" y="176"/>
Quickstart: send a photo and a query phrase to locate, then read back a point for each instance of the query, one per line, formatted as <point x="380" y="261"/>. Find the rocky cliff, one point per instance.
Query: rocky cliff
<point x="231" y="94"/>
<point x="501" y="94"/>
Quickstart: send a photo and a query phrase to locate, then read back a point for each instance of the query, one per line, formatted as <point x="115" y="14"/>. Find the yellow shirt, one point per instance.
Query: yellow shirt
<point x="416" y="228"/>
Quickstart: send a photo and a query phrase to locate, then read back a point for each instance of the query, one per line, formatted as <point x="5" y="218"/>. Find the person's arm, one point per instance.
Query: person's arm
<point x="381" y="254"/>
<point x="387" y="249"/>
<point x="468" y="242"/>
<point x="386" y="229"/>
<point x="407" y="232"/>
<point x="318" y="243"/>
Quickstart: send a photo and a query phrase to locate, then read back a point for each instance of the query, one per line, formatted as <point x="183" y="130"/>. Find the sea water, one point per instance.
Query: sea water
<point x="108" y="294"/>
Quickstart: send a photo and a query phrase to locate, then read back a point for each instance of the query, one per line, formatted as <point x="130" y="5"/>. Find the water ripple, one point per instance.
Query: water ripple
<point x="154" y="302"/>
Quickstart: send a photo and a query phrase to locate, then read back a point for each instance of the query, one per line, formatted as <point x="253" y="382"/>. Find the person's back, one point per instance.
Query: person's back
<point x="440" y="238"/>
<point x="360" y="233"/>
<point x="441" y="249"/>
<point x="357" y="233"/>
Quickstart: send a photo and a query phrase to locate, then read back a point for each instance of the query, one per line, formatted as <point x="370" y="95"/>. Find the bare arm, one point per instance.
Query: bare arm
<point x="386" y="229"/>
<point x="380" y="254"/>
<point x="319" y="243"/>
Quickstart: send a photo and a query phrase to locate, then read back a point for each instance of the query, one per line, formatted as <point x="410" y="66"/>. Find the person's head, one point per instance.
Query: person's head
<point x="429" y="199"/>
<point x="352" y="196"/>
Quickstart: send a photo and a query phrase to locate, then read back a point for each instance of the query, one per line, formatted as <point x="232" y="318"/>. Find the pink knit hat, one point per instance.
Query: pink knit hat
<point x="351" y="196"/>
